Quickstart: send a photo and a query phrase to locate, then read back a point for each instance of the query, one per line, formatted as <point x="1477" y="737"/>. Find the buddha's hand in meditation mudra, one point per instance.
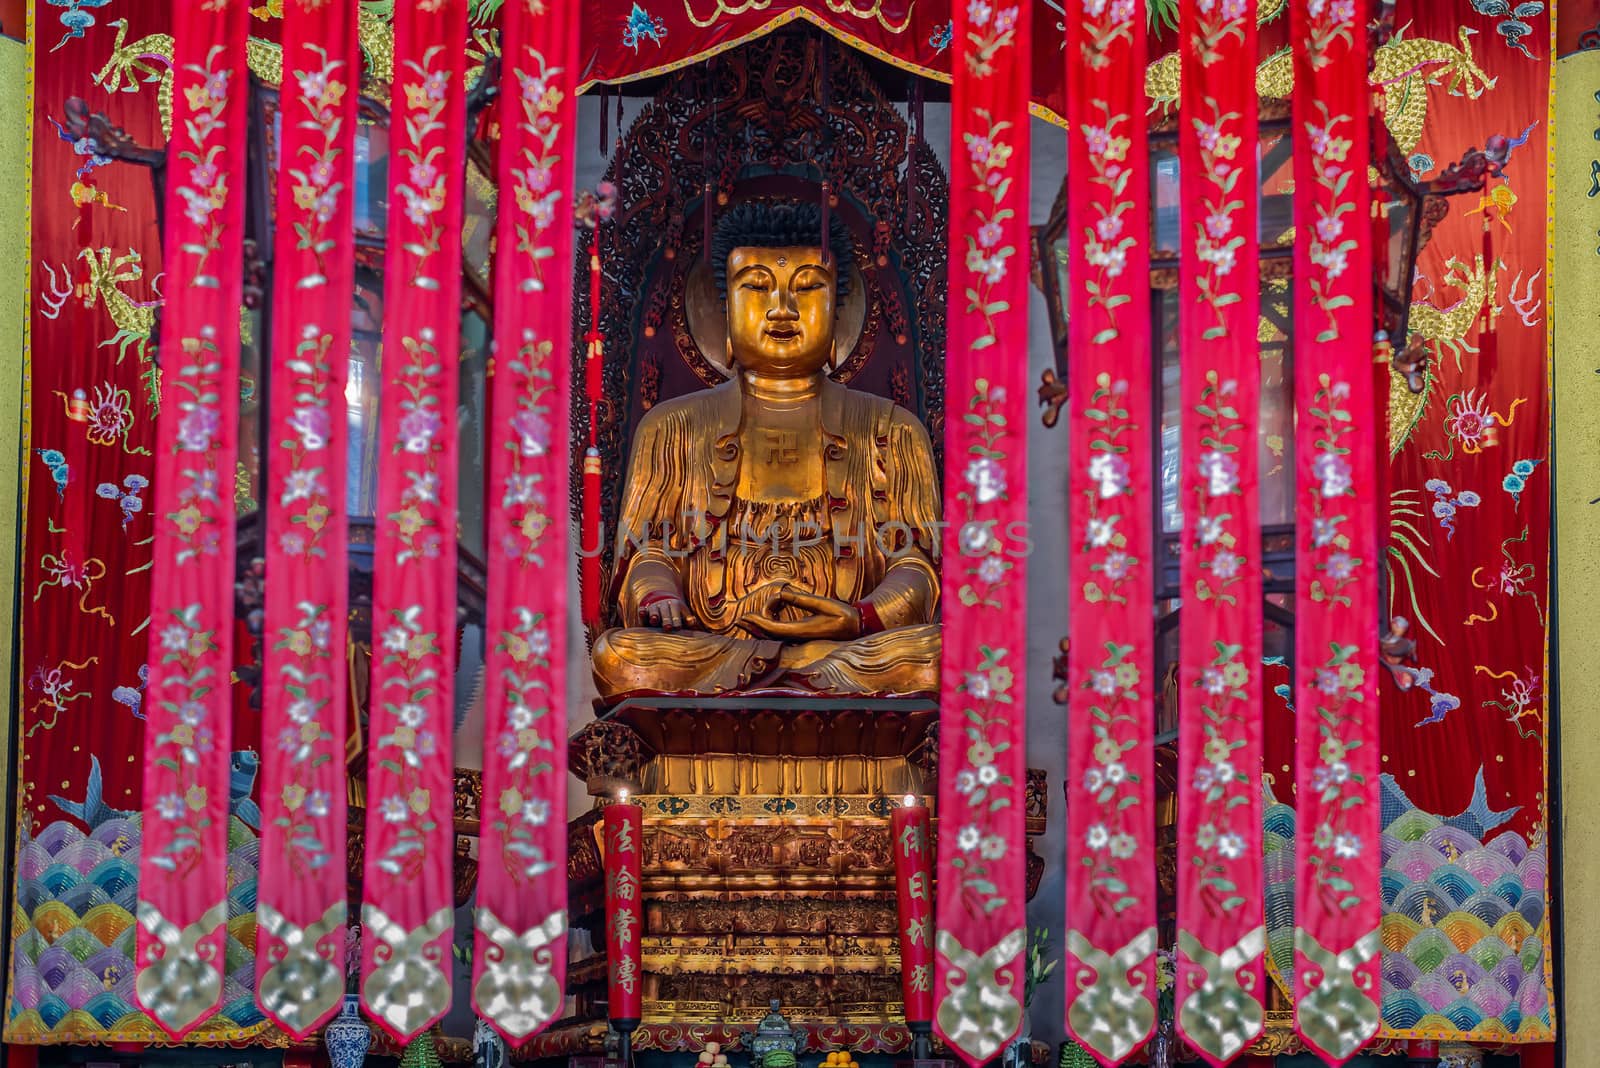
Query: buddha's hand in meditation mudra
<point x="778" y="450"/>
<point x="826" y="617"/>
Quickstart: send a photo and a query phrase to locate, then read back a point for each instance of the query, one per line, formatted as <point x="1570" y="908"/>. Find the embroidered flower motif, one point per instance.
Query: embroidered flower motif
<point x="1223" y="790"/>
<point x="198" y="428"/>
<point x="186" y="644"/>
<point x="306" y="643"/>
<point x="417" y="430"/>
<point x="1329" y="21"/>
<point x="1225" y="565"/>
<point x="1334" y="196"/>
<point x="987" y="478"/>
<point x="990" y="264"/>
<point x="393" y="810"/>
<point x="402" y="739"/>
<point x="1214" y="25"/>
<point x="313" y="425"/>
<point x="1111" y="472"/>
<point x="1334" y="473"/>
<point x="304" y="647"/>
<point x="1118" y="565"/>
<point x="1105" y="23"/>
<point x="1101" y="532"/>
<point x="300" y="485"/>
<point x="974" y="538"/>
<point x="988" y="35"/>
<point x="1221" y="473"/>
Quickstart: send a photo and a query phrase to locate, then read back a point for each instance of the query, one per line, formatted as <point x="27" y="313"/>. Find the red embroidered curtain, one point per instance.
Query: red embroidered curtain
<point x="1111" y="888"/>
<point x="1221" y="924"/>
<point x="300" y="946"/>
<point x="982" y="935"/>
<point x="625" y="41"/>
<point x="408" y="894"/>
<point x="1338" y="904"/>
<point x="183" y="869"/>
<point x="521" y="955"/>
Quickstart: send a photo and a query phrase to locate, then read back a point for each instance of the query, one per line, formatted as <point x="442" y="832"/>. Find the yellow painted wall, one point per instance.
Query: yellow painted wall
<point x="15" y="121"/>
<point x="1575" y="305"/>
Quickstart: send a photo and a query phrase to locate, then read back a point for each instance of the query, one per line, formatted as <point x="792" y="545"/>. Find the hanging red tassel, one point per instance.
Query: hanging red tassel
<point x="709" y="164"/>
<point x="827" y="221"/>
<point x="913" y="140"/>
<point x="706" y="211"/>
<point x="594" y="366"/>
<point x="825" y="95"/>
<point x="590" y="577"/>
<point x="1486" y="320"/>
<point x="1380" y="207"/>
<point x="1488" y="344"/>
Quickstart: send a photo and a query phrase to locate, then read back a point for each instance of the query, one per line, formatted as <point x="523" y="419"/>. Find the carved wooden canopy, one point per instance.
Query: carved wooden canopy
<point x="773" y="119"/>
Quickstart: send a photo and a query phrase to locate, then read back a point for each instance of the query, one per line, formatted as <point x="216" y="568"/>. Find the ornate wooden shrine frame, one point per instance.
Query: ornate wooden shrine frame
<point x="761" y="115"/>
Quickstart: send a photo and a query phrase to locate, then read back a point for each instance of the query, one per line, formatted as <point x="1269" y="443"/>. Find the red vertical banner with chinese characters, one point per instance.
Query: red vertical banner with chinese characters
<point x="1338" y="904"/>
<point x="622" y="832"/>
<point x="300" y="951"/>
<point x="1111" y="884"/>
<point x="407" y="910"/>
<point x="913" y="884"/>
<point x="1221" y="917"/>
<point x="183" y="867"/>
<point x="980" y="947"/>
<point x="521" y="950"/>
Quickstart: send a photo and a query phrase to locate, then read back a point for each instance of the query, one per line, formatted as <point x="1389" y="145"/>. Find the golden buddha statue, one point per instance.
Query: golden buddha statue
<point x="780" y="531"/>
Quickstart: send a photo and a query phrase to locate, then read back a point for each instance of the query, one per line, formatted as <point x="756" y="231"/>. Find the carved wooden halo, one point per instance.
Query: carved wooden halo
<point x="708" y="320"/>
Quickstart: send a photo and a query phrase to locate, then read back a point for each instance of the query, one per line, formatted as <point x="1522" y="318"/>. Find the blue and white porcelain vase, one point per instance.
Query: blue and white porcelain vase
<point x="489" y="1049"/>
<point x="348" y="1036"/>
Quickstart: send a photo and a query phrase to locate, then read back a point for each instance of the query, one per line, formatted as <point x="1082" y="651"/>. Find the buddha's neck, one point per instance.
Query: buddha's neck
<point x="784" y="392"/>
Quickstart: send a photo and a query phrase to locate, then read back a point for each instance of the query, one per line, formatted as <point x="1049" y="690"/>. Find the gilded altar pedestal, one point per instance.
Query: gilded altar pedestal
<point x="767" y="863"/>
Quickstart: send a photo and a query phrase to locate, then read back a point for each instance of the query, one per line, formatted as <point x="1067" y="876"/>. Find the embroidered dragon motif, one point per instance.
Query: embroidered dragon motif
<point x="1406" y="66"/>
<point x="1448" y="326"/>
<point x="148" y="60"/>
<point x="134" y="319"/>
<point x="1446" y="329"/>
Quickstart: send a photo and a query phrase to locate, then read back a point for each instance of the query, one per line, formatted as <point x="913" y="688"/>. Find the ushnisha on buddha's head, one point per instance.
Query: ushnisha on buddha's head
<point x="782" y="293"/>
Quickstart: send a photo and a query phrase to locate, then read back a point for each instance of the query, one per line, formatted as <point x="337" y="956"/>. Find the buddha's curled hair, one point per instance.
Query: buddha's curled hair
<point x="765" y="224"/>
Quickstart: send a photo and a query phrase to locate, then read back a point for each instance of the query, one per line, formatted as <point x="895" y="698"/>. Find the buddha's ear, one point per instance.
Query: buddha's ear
<point x="833" y="355"/>
<point x="729" y="352"/>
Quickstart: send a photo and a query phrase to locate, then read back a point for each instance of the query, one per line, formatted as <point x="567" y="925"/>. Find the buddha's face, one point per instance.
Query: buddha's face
<point x="780" y="310"/>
